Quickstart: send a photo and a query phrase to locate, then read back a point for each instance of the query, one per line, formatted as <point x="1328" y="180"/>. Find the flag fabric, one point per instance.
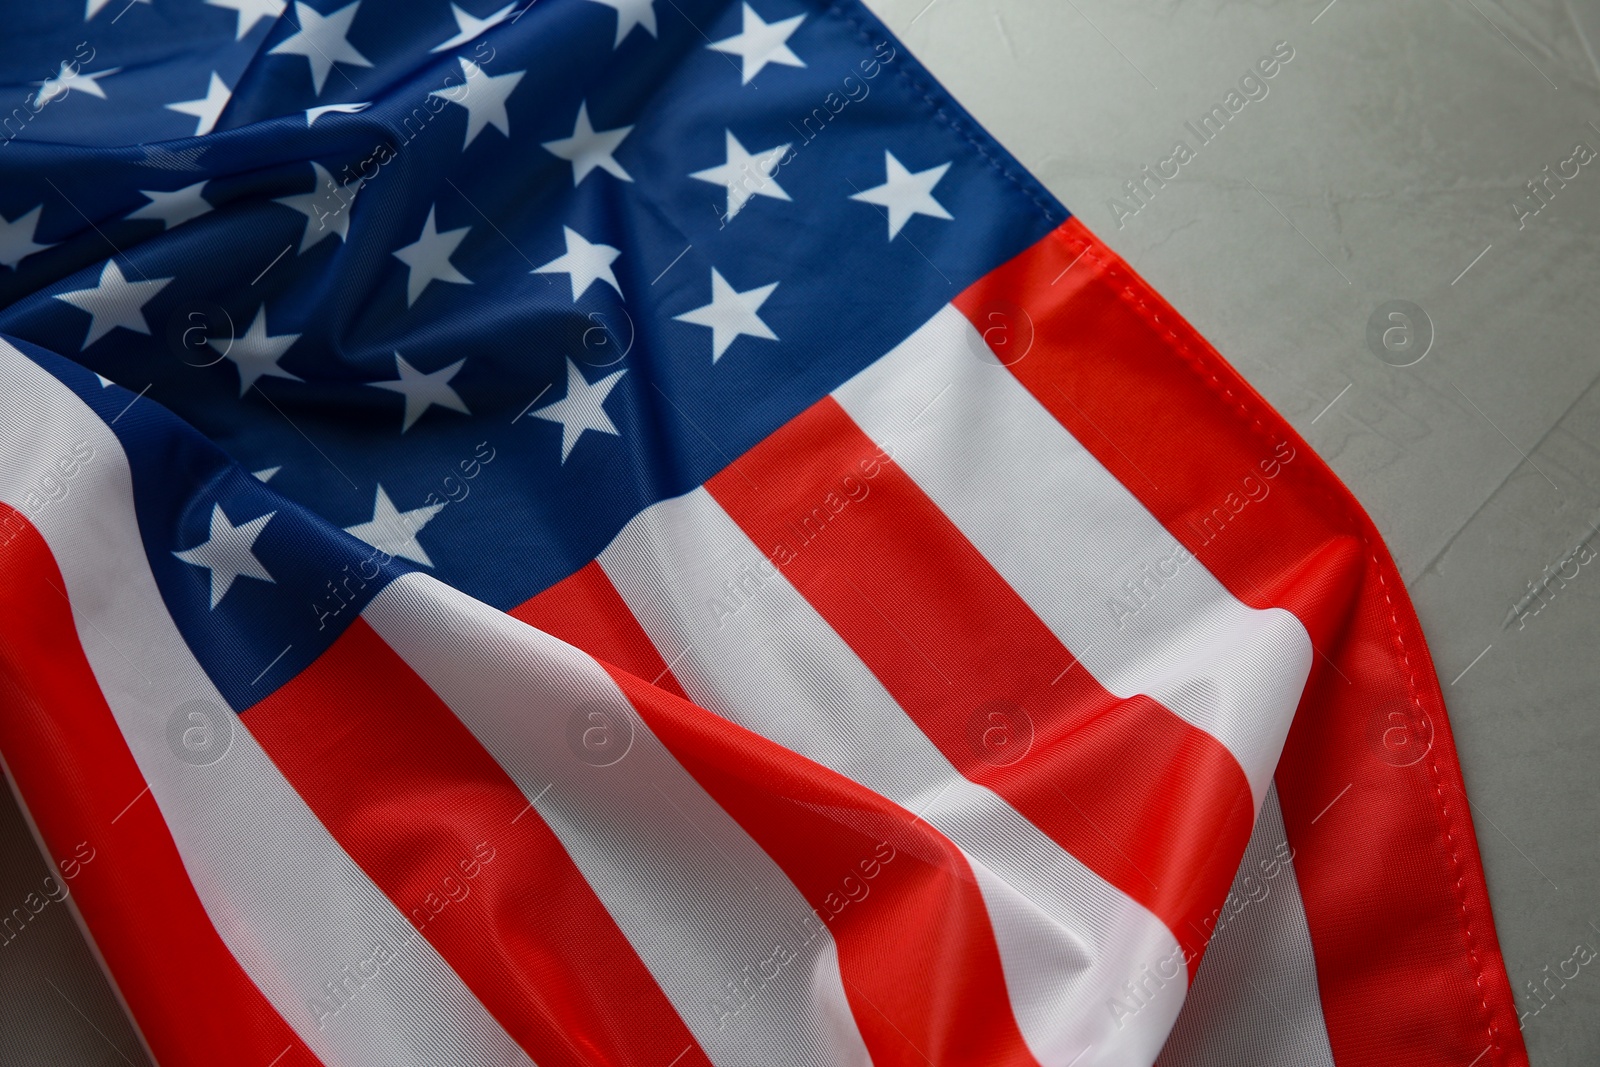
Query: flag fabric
<point x="634" y="532"/>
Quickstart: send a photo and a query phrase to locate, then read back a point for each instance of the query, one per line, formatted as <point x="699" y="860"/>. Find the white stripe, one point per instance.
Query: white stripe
<point x="697" y="898"/>
<point x="291" y="906"/>
<point x="776" y="667"/>
<point x="1066" y="535"/>
<point x="1048" y="983"/>
<point x="1256" y="998"/>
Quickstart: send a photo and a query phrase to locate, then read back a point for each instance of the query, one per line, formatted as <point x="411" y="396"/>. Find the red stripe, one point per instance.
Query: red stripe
<point x="961" y="652"/>
<point x="586" y="611"/>
<point x="1407" y="959"/>
<point x="916" y="951"/>
<point x="111" y="848"/>
<point x="441" y="829"/>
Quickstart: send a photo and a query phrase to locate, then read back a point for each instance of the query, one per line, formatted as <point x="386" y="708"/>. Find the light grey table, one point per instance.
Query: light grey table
<point x="1383" y="164"/>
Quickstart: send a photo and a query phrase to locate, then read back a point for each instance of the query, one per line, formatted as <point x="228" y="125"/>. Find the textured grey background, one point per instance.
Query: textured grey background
<point x="1382" y="164"/>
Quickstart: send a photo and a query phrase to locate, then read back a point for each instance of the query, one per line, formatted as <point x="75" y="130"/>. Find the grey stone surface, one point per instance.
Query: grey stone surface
<point x="56" y="1008"/>
<point x="1380" y="166"/>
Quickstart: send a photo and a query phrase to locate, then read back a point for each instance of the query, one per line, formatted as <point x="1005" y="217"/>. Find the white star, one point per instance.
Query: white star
<point x="114" y="302"/>
<point x="255" y="354"/>
<point x="631" y="13"/>
<point x="207" y="109"/>
<point x="94" y="7"/>
<point x="730" y="314"/>
<point x="70" y="78"/>
<point x="583" y="408"/>
<point x="315" y="113"/>
<point x="761" y="43"/>
<point x="394" y="532"/>
<point x="326" y="208"/>
<point x="428" y="257"/>
<point x="586" y="149"/>
<point x="322" y="40"/>
<point x="228" y="553"/>
<point x="265" y="474"/>
<point x="746" y="175"/>
<point x="471" y="27"/>
<point x="586" y="263"/>
<point x="906" y="194"/>
<point x="423" y="390"/>
<point x="19" y="239"/>
<point x="484" y="97"/>
<point x="174" y="208"/>
<point x="251" y="12"/>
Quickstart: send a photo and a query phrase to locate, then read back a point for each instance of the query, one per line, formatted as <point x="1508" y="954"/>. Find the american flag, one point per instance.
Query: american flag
<point x="634" y="532"/>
